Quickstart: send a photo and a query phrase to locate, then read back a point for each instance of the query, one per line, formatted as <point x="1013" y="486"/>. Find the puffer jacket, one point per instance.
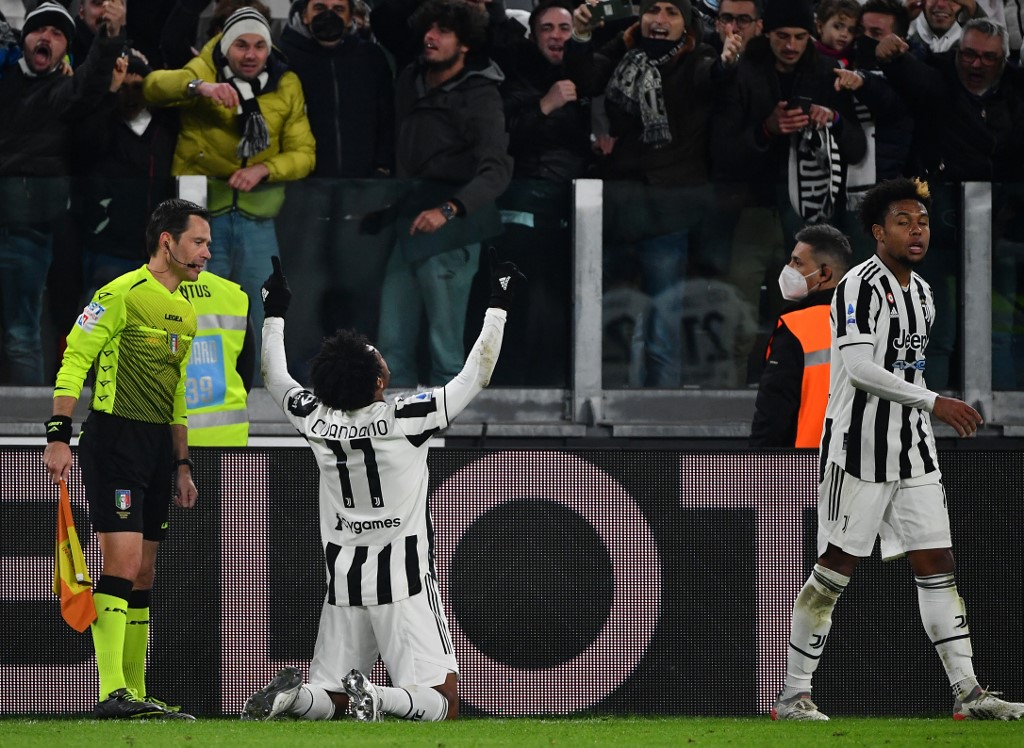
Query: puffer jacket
<point x="210" y="132"/>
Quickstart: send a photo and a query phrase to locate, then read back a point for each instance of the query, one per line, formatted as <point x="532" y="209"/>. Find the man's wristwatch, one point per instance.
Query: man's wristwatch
<point x="192" y="89"/>
<point x="448" y="211"/>
<point x="183" y="461"/>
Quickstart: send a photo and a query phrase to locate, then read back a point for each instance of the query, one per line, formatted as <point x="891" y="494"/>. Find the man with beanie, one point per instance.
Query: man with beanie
<point x="40" y="106"/>
<point x="350" y="101"/>
<point x="244" y="127"/>
<point x="781" y="122"/>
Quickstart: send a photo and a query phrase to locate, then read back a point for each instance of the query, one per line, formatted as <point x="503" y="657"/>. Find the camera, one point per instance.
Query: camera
<point x="611" y="10"/>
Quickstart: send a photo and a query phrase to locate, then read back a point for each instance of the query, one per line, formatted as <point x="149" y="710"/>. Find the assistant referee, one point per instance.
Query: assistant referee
<point x="137" y="333"/>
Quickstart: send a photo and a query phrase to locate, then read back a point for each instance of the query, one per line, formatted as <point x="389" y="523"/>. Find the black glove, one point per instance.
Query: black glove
<point x="504" y="278"/>
<point x="276" y="294"/>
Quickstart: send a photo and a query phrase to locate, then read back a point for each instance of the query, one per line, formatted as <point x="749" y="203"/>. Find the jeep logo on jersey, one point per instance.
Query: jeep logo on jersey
<point x="302" y="403"/>
<point x="906" y="340"/>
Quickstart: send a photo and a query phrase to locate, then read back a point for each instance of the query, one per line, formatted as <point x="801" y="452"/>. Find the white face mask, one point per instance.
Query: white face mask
<point x="792" y="284"/>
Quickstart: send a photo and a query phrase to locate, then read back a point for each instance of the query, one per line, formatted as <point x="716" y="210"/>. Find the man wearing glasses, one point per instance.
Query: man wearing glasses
<point x="973" y="102"/>
<point x="737" y="22"/>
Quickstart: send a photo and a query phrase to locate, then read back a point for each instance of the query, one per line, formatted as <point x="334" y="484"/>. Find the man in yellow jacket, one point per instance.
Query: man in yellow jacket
<point x="244" y="127"/>
<point x="222" y="364"/>
<point x="793" y="392"/>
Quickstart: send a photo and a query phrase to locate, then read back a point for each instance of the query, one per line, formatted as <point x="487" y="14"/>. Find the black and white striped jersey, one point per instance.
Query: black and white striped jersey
<point x="877" y="424"/>
<point x="374" y="521"/>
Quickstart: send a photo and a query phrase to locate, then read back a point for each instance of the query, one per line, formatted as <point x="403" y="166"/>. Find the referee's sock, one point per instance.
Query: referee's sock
<point x="136" y="639"/>
<point x="111" y="598"/>
<point x="812" y="620"/>
<point x="945" y="621"/>
<point x="418" y="703"/>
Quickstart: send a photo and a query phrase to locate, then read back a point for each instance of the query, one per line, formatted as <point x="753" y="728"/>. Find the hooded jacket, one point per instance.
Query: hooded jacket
<point x="350" y="100"/>
<point x="210" y="132"/>
<point x="453" y="138"/>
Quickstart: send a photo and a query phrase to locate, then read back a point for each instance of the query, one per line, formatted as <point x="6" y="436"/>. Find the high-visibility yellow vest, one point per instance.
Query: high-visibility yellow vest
<point x="214" y="392"/>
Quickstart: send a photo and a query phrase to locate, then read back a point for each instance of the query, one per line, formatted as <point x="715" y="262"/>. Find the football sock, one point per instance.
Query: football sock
<point x="417" y="703"/>
<point x="136" y="639"/>
<point x="812" y="620"/>
<point x="945" y="621"/>
<point x="111" y="598"/>
<point x="312" y="703"/>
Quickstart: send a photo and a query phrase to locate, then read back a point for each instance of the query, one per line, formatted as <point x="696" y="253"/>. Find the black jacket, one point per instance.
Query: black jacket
<point x="35" y="132"/>
<point x="452" y="138"/>
<point x="975" y="138"/>
<point x="350" y="101"/>
<point x="741" y="151"/>
<point x="555" y="146"/>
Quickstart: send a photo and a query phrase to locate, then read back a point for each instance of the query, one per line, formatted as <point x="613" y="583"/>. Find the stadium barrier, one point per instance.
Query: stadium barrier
<point x="577" y="581"/>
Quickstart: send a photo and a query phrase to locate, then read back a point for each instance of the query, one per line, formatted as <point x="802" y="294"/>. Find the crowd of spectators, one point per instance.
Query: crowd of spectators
<point x="332" y="133"/>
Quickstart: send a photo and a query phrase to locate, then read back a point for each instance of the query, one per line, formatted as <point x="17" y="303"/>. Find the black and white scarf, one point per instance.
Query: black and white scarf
<point x="255" y="137"/>
<point x="636" y="86"/>
<point x="815" y="174"/>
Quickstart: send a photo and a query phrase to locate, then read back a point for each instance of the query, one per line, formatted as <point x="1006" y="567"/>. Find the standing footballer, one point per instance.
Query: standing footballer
<point x="880" y="472"/>
<point x="382" y="597"/>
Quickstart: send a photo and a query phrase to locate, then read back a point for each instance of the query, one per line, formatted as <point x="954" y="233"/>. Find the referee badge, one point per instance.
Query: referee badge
<point x="122" y="498"/>
<point x="172" y="341"/>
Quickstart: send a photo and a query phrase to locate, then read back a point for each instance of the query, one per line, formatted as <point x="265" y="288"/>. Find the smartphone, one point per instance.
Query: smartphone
<point x="804" y="102"/>
<point x="611" y="10"/>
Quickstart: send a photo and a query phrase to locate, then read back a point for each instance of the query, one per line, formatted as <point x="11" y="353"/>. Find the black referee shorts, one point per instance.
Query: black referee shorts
<point x="126" y="468"/>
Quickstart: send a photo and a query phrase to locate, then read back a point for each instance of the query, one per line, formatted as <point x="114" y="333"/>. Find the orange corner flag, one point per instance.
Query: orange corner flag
<point x="71" y="581"/>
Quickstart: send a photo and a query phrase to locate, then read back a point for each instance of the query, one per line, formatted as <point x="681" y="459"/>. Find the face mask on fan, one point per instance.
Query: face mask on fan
<point x="327" y="26"/>
<point x="793" y="285"/>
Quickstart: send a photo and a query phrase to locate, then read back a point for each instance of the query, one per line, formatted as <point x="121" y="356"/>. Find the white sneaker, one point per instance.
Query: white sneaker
<point x="363" y="698"/>
<point x="799" y="707"/>
<point x="982" y="704"/>
<point x="275" y="697"/>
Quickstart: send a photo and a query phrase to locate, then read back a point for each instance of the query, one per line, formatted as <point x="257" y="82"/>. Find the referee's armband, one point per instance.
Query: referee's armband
<point x="58" y="429"/>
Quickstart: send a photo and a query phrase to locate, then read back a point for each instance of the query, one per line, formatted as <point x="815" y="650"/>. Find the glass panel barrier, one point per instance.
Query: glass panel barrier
<point x="1008" y="286"/>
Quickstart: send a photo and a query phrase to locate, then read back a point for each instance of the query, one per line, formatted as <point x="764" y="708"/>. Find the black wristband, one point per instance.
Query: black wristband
<point x="183" y="461"/>
<point x="58" y="429"/>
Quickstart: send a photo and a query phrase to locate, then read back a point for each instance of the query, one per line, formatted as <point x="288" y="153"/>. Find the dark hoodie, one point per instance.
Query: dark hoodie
<point x="452" y="137"/>
<point x="349" y="100"/>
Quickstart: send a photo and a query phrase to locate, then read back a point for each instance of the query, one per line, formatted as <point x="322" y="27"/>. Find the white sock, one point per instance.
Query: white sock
<point x="312" y="703"/>
<point x="417" y="703"/>
<point x="812" y="620"/>
<point x="945" y="621"/>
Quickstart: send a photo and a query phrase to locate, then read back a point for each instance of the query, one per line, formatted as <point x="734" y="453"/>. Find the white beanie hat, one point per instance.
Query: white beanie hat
<point x="244" y="21"/>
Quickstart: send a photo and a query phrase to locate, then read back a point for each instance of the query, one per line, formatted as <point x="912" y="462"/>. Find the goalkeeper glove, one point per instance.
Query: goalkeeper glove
<point x="275" y="292"/>
<point x="505" y="276"/>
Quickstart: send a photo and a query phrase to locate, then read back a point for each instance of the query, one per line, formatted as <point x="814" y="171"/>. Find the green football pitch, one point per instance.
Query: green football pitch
<point x="553" y="733"/>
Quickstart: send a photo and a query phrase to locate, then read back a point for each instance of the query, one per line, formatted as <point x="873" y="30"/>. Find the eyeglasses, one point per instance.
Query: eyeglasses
<point x="971" y="56"/>
<point x="741" y="21"/>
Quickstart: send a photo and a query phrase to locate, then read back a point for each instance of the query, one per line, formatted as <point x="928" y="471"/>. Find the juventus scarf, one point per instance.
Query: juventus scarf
<point x="815" y="174"/>
<point x="635" y="85"/>
<point x="255" y="137"/>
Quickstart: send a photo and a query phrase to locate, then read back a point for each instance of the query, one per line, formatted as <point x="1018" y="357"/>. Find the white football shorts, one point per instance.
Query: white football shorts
<point x="906" y="515"/>
<point x="411" y="636"/>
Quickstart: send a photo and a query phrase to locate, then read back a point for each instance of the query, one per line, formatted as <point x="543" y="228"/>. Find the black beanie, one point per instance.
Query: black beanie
<point x="795" y="14"/>
<point x="49" y="14"/>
